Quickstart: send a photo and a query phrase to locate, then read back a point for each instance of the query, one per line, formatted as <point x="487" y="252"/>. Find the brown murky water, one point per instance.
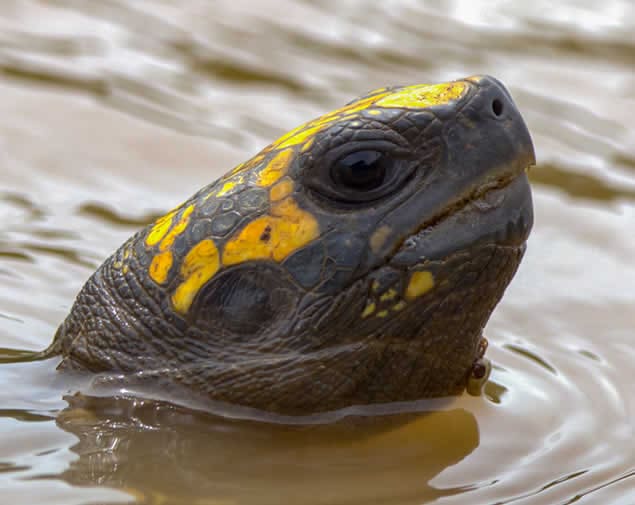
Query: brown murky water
<point x="112" y="112"/>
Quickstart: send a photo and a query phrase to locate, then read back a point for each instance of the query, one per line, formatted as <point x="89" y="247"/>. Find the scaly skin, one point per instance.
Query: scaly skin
<point x="355" y="260"/>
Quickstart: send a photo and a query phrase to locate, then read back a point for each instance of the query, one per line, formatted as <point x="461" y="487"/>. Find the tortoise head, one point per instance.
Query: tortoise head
<point x="354" y="260"/>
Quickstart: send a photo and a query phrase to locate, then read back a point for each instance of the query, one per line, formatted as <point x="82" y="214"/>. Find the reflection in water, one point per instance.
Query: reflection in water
<point x="95" y="99"/>
<point x="111" y="216"/>
<point x="160" y="452"/>
<point x="581" y="185"/>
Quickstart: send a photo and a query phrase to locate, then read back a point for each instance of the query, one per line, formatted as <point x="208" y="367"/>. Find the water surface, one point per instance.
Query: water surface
<point x="112" y="112"/>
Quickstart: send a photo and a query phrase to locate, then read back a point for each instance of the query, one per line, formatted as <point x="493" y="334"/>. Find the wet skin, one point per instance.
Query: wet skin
<point x="353" y="261"/>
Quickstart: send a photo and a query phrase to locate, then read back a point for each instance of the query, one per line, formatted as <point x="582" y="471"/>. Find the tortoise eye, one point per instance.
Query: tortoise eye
<point x="361" y="170"/>
<point x="354" y="175"/>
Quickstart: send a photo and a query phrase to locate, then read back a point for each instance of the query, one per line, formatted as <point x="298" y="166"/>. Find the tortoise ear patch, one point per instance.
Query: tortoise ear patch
<point x="245" y="299"/>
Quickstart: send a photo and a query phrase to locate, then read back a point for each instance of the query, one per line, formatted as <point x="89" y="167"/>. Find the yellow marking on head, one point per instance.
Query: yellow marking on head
<point x="237" y="168"/>
<point x="376" y="91"/>
<point x="307" y="145"/>
<point x="125" y="269"/>
<point x="388" y="295"/>
<point x="400" y="305"/>
<point x="300" y="136"/>
<point x="324" y="120"/>
<point x="274" y="236"/>
<point x="424" y="95"/>
<point x="247" y="164"/>
<point x="117" y="265"/>
<point x="347" y="117"/>
<point x="160" y="228"/>
<point x="375" y="285"/>
<point x="289" y="135"/>
<point x="200" y="264"/>
<point x="227" y="187"/>
<point x="368" y="310"/>
<point x="362" y="104"/>
<point x="419" y="284"/>
<point x="281" y="190"/>
<point x="331" y="117"/>
<point x="160" y="267"/>
<point x="307" y="131"/>
<point x="379" y="237"/>
<point x="177" y="229"/>
<point x="382" y="313"/>
<point x="126" y="253"/>
<point x="276" y="168"/>
<point x="374" y="112"/>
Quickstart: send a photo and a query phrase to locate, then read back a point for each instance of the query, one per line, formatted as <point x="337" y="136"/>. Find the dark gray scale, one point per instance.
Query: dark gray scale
<point x="140" y="250"/>
<point x="200" y="230"/>
<point x="182" y="244"/>
<point x="305" y="265"/>
<point x="207" y="208"/>
<point x="343" y="257"/>
<point x="224" y="223"/>
<point x="386" y="278"/>
<point x="226" y="204"/>
<point x="215" y="217"/>
<point x="252" y="200"/>
<point x="326" y="264"/>
<point x="345" y="249"/>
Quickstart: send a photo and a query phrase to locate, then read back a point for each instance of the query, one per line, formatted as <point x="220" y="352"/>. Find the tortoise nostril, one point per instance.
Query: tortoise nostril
<point x="497" y="107"/>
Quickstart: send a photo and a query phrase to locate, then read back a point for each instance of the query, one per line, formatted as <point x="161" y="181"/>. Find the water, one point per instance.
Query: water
<point x="112" y="112"/>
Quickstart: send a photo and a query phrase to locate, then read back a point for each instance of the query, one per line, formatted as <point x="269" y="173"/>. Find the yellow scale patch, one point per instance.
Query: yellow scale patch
<point x="199" y="266"/>
<point x="307" y="131"/>
<point x="379" y="237"/>
<point x="418" y="96"/>
<point x="424" y="95"/>
<point x="248" y="164"/>
<point x="281" y="190"/>
<point x="162" y="262"/>
<point x="300" y="136"/>
<point x="228" y="186"/>
<point x="274" y="236"/>
<point x="307" y="145"/>
<point x="391" y="294"/>
<point x="400" y="305"/>
<point x="177" y="229"/>
<point x="387" y="296"/>
<point x="419" y="284"/>
<point x="159" y="229"/>
<point x="275" y="169"/>
<point x="160" y="266"/>
<point x="368" y="310"/>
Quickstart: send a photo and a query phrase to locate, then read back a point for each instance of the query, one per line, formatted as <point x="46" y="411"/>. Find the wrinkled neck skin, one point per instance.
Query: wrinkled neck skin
<point x="331" y="359"/>
<point x="307" y="299"/>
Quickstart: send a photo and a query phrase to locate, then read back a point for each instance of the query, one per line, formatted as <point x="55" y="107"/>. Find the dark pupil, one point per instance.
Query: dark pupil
<point x="361" y="170"/>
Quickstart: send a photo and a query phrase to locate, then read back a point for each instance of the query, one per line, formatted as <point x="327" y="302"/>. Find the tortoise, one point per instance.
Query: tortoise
<point x="353" y="261"/>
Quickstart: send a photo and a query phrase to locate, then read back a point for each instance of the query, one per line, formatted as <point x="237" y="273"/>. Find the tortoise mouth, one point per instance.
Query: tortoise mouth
<point x="499" y="212"/>
<point x="509" y="202"/>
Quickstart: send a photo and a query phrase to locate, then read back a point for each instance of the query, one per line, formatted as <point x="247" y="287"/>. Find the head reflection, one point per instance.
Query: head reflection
<point x="163" y="453"/>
